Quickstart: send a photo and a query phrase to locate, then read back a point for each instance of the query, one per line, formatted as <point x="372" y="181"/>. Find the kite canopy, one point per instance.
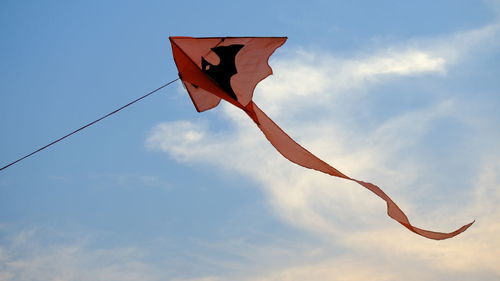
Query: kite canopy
<point x="226" y="68"/>
<point x="229" y="68"/>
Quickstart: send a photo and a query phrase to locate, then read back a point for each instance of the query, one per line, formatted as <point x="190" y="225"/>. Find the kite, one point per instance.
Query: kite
<point x="229" y="68"/>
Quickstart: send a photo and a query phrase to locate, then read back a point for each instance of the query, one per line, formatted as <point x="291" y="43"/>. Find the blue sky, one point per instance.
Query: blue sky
<point x="401" y="93"/>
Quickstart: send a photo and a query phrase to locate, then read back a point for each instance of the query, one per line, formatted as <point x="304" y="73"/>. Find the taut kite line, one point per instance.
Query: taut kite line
<point x="230" y="68"/>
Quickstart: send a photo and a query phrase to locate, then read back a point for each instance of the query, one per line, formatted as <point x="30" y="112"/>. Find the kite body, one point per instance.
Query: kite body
<point x="230" y="68"/>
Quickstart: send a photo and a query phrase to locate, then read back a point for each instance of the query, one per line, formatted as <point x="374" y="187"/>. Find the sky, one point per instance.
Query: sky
<point x="404" y="94"/>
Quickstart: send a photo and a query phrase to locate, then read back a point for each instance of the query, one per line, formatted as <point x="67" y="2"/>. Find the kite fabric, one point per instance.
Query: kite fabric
<point x="230" y="68"/>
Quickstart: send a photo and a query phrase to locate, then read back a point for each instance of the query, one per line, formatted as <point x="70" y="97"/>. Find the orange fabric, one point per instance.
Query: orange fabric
<point x="229" y="69"/>
<point x="252" y="68"/>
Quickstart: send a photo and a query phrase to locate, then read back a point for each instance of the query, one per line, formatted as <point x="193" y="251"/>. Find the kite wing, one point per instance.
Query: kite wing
<point x="229" y="68"/>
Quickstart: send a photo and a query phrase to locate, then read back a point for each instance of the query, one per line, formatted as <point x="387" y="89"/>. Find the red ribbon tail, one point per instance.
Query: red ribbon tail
<point x="297" y="154"/>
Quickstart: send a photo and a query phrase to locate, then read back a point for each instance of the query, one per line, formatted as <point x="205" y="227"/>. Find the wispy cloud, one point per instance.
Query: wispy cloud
<point x="25" y="256"/>
<point x="306" y="83"/>
<point x="131" y="180"/>
<point x="324" y="77"/>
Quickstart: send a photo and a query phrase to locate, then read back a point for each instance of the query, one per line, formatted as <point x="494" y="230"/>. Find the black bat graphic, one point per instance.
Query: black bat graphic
<point x="226" y="68"/>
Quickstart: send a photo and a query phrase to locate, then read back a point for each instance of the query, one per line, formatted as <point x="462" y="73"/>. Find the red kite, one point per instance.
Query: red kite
<point x="230" y="68"/>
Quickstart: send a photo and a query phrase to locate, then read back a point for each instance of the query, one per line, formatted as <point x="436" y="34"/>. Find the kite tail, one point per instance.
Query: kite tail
<point x="301" y="156"/>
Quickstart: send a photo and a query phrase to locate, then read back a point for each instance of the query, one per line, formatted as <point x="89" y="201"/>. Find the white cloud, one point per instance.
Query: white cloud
<point x="306" y="82"/>
<point x="303" y="97"/>
<point x="25" y="257"/>
<point x="323" y="77"/>
<point x="477" y="250"/>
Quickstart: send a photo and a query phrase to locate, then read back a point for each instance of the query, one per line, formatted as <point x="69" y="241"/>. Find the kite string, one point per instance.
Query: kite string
<point x="88" y="125"/>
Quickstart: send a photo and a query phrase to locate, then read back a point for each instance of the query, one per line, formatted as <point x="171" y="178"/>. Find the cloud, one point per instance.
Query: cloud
<point x="314" y="96"/>
<point x="324" y="77"/>
<point x="25" y="256"/>
<point x="475" y="252"/>
<point x="305" y="82"/>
